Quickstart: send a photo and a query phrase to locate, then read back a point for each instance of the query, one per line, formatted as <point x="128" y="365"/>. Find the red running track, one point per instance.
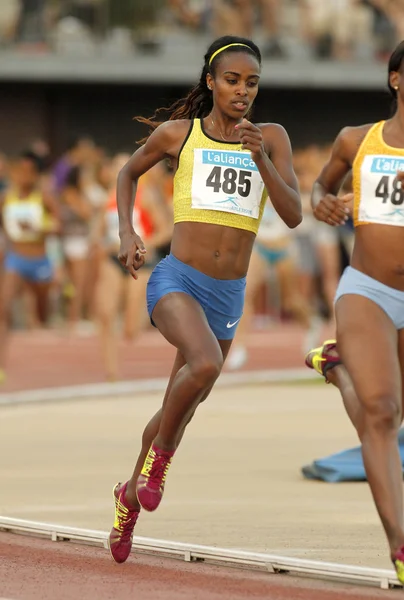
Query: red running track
<point x="47" y="358"/>
<point x="34" y="569"/>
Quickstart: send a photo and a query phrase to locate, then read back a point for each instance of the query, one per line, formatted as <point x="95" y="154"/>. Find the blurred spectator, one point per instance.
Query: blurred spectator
<point x="388" y="24"/>
<point x="273" y="263"/>
<point x="317" y="243"/>
<point x="78" y="154"/>
<point x="86" y="11"/>
<point x="97" y="183"/>
<point x="335" y="28"/>
<point x="3" y="187"/>
<point x="30" y="27"/>
<point x="153" y="223"/>
<point x="4" y="172"/>
<point x="41" y="148"/>
<point x="9" y="14"/>
<point x="97" y="188"/>
<point x="240" y="17"/>
<point x="28" y="214"/>
<point x="299" y="285"/>
<point x="76" y="213"/>
<point x="143" y="17"/>
<point x="189" y="14"/>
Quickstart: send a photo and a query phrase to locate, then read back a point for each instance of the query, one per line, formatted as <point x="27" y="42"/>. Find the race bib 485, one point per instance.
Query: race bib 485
<point x="226" y="180"/>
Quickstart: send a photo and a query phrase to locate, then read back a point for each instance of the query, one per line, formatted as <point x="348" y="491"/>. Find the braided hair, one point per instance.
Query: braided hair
<point x="199" y="102"/>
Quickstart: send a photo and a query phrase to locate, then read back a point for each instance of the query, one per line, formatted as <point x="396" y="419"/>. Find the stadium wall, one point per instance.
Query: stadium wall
<point x="57" y="112"/>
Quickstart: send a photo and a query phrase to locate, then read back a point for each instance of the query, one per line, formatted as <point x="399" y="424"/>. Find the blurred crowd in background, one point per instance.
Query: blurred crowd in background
<point x="321" y="29"/>
<point x="83" y="289"/>
<point x="59" y="230"/>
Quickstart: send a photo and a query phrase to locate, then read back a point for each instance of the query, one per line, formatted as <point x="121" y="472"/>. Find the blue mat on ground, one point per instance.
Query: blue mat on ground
<point x="344" y="466"/>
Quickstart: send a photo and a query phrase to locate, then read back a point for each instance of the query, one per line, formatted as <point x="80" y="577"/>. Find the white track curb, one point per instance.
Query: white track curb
<point x="141" y="386"/>
<point x="382" y="578"/>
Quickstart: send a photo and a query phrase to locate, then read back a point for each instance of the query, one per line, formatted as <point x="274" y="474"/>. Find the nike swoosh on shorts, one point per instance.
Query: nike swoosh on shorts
<point x="229" y="325"/>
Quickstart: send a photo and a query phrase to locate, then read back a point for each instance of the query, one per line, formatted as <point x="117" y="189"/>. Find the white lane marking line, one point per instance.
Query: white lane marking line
<point x="141" y="386"/>
<point x="383" y="578"/>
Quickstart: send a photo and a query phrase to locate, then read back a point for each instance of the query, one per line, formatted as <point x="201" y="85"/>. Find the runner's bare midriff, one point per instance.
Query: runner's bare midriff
<point x="218" y="251"/>
<point x="33" y="249"/>
<point x="379" y="253"/>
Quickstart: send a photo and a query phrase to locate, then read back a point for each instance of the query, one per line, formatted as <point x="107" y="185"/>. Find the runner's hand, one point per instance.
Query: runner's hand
<point x="251" y="138"/>
<point x="132" y="253"/>
<point x="332" y="210"/>
<point x="349" y="202"/>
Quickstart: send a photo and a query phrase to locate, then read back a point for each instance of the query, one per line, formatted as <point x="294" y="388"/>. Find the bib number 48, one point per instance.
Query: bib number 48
<point x="230" y="181"/>
<point x="395" y="195"/>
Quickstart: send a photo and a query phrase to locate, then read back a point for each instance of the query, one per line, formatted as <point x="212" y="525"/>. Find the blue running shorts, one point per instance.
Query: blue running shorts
<point x="38" y="269"/>
<point x="221" y="299"/>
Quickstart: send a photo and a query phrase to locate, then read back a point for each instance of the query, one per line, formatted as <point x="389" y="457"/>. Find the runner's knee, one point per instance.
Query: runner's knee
<point x="383" y="413"/>
<point x="205" y="370"/>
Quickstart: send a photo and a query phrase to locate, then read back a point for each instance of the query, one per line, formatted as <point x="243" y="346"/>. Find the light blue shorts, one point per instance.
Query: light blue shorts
<point x="222" y="300"/>
<point x="389" y="299"/>
<point x="31" y="269"/>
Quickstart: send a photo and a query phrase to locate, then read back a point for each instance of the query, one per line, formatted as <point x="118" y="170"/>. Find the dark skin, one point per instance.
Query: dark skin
<point x="236" y="80"/>
<point x="218" y="251"/>
<point x="371" y="349"/>
<point x="328" y="207"/>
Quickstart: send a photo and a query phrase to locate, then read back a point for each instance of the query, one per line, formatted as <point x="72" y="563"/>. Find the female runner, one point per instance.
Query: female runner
<point x="225" y="167"/>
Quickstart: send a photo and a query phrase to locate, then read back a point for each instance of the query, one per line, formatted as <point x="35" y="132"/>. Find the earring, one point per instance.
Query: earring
<point x="396" y="87"/>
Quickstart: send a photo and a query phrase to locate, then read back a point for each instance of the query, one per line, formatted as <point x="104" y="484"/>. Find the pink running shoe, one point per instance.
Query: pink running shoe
<point x="120" y="538"/>
<point x="151" y="481"/>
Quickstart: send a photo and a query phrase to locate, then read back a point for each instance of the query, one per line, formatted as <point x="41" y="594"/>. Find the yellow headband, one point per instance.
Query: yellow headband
<point x="225" y="48"/>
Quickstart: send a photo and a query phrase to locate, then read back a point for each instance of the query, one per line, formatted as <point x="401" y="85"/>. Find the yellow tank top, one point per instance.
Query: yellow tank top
<point x="217" y="182"/>
<point x="29" y="211"/>
<point x="378" y="197"/>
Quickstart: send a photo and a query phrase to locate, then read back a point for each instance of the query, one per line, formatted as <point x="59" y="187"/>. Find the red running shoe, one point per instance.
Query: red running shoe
<point x="321" y="360"/>
<point x="120" y="538"/>
<point x="398" y="562"/>
<point x="151" y="481"/>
